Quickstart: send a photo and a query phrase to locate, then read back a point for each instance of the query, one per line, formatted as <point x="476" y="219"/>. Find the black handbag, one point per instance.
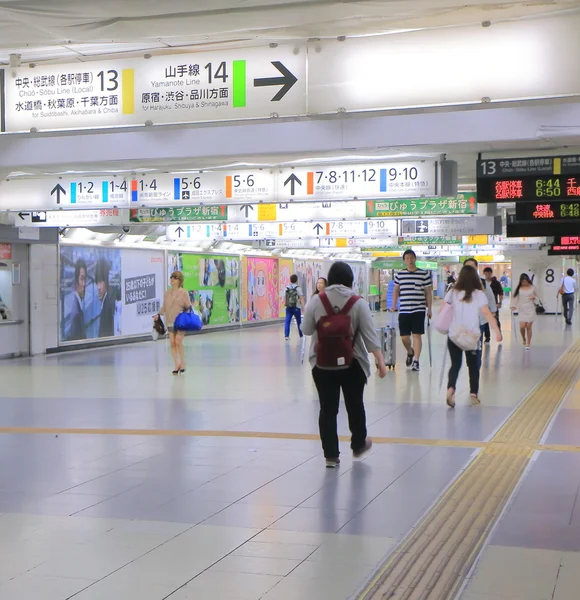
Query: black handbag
<point x="540" y="310"/>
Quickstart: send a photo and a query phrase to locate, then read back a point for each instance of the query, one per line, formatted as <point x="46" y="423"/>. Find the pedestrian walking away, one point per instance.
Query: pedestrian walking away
<point x="414" y="289"/>
<point x="294" y="304"/>
<point x="567" y="291"/>
<point x="525" y="300"/>
<point x="469" y="304"/>
<point x="343" y="333"/>
<point x="496" y="289"/>
<point x="485" y="331"/>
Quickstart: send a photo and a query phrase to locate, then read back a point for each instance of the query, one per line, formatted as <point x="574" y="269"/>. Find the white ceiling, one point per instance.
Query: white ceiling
<point x="76" y="29"/>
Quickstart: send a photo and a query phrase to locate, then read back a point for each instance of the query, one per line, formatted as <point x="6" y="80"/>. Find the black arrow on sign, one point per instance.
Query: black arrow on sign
<point x="318" y="227"/>
<point x="22" y="215"/>
<point x="247" y="208"/>
<point x="287" y="80"/>
<point x="58" y="189"/>
<point x="292" y="180"/>
<point x="180" y="230"/>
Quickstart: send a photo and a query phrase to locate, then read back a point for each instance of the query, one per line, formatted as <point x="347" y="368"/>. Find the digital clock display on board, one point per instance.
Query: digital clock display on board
<point x="548" y="211"/>
<point x="530" y="189"/>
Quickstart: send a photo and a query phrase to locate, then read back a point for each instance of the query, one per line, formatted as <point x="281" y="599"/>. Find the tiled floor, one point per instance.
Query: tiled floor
<point x="168" y="515"/>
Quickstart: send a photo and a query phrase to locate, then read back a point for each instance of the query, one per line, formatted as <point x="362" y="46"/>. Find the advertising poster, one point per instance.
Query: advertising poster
<point x="359" y="270"/>
<point x="309" y="271"/>
<point x="212" y="282"/>
<point x="286" y="269"/>
<point x="108" y="292"/>
<point x="262" y="286"/>
<point x="143" y="287"/>
<point x="90" y="293"/>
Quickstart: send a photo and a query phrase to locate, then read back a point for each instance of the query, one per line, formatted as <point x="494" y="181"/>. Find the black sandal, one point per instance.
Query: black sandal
<point x="176" y="372"/>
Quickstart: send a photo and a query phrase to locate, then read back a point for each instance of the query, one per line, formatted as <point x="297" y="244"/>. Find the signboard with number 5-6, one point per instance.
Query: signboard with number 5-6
<point x="213" y="86"/>
<point x="392" y="180"/>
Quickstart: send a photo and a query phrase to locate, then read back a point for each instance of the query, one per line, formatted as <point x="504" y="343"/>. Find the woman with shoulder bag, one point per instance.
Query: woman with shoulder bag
<point x="175" y="301"/>
<point x="468" y="301"/>
<point x="526" y="301"/>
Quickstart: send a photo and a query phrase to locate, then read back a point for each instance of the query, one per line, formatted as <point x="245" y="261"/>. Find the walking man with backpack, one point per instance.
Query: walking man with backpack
<point x="294" y="304"/>
<point x="343" y="332"/>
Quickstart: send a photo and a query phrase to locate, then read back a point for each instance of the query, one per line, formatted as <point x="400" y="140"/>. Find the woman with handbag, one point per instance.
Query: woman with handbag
<point x="467" y="300"/>
<point x="527" y="302"/>
<point x="175" y="301"/>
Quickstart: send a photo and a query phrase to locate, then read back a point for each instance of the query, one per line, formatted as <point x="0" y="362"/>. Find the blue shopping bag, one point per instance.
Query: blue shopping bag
<point x="188" y="321"/>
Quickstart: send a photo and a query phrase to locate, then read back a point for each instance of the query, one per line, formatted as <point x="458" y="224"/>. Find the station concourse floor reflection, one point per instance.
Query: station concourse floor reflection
<point x="121" y="481"/>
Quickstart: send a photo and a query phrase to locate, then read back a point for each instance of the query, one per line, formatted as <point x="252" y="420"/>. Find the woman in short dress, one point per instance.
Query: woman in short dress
<point x="175" y="301"/>
<point x="525" y="300"/>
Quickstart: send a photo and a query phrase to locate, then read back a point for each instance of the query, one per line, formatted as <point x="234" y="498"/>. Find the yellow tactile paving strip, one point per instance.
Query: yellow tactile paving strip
<point x="432" y="562"/>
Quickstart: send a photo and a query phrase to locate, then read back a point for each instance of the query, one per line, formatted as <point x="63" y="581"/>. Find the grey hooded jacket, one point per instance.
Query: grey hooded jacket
<point x="361" y="321"/>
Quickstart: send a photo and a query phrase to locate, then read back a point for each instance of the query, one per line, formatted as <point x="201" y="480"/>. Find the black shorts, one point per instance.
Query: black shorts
<point x="412" y="323"/>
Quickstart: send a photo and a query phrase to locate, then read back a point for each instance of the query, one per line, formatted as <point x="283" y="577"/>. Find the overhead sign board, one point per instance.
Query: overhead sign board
<point x="531" y="179"/>
<point x="430" y="240"/>
<point x="73" y="218"/>
<point x="413" y="69"/>
<point x="382" y="180"/>
<point x="197" y="87"/>
<point x="179" y="214"/>
<point x="463" y="204"/>
<point x="285" y="230"/>
<point x="452" y="226"/>
<point x="560" y="250"/>
<point x="208" y="187"/>
<point x="63" y="193"/>
<point x="549" y="212"/>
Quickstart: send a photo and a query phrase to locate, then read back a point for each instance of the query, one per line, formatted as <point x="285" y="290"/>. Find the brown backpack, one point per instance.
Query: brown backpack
<point x="335" y="346"/>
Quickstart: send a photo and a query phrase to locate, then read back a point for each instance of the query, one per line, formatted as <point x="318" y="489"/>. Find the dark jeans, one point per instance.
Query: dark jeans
<point x="292" y="312"/>
<point x="473" y="359"/>
<point x="568" y="305"/>
<point x="352" y="381"/>
<point x="487" y="330"/>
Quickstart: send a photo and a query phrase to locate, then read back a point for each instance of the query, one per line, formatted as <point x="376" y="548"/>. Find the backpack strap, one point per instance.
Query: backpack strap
<point x="326" y="303"/>
<point x="350" y="303"/>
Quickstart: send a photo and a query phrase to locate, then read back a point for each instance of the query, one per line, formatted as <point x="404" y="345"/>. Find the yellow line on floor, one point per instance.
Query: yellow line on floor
<point x="431" y="563"/>
<point x="314" y="437"/>
<point x="231" y="434"/>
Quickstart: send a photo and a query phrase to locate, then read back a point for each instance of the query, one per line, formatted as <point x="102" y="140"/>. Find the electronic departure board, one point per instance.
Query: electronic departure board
<point x="528" y="179"/>
<point x="558" y="250"/>
<point x="567" y="240"/>
<point x="549" y="212"/>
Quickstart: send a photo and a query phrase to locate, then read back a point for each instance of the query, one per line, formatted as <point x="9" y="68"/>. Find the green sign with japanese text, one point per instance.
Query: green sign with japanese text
<point x="421" y="240"/>
<point x="463" y="204"/>
<point x="179" y="214"/>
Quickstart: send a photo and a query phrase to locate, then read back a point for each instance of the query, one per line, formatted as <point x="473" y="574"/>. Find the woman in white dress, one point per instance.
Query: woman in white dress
<point x="524" y="300"/>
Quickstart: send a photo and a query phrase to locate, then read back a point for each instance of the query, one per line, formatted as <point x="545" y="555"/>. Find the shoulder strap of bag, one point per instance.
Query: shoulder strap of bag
<point x="326" y="303"/>
<point x="350" y="303"/>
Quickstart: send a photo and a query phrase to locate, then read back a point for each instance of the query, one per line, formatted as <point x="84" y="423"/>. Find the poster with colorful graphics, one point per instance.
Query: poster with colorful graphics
<point x="286" y="269"/>
<point x="90" y="293"/>
<point x="212" y="283"/>
<point x="359" y="271"/>
<point x="107" y="292"/>
<point x="262" y="289"/>
<point x="309" y="272"/>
